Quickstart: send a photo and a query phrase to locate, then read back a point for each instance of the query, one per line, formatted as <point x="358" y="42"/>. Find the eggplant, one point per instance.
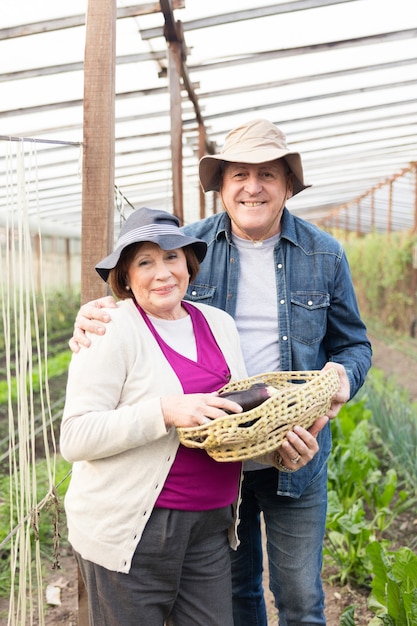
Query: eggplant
<point x="251" y="397"/>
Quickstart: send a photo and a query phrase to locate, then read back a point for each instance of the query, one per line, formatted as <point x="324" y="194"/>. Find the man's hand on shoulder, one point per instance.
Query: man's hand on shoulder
<point x="91" y="318"/>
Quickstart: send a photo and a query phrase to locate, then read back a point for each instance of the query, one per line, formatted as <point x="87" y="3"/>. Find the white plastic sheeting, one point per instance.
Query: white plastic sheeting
<point x="339" y="78"/>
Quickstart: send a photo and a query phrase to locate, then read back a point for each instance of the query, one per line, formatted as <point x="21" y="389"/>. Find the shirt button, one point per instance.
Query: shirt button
<point x="193" y="293"/>
<point x="284" y="338"/>
<point x="279" y="266"/>
<point x="310" y="303"/>
<point x="282" y="301"/>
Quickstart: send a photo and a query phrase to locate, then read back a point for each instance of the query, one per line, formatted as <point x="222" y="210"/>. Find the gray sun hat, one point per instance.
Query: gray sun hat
<point x="156" y="227"/>
<point x="258" y="141"/>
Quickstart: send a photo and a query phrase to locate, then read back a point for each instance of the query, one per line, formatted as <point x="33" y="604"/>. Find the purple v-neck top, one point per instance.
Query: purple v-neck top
<point x="196" y="482"/>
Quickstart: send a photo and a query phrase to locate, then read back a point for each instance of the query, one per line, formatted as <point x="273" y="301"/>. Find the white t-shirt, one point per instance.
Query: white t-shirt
<point x="257" y="310"/>
<point x="178" y="334"/>
<point x="256" y="307"/>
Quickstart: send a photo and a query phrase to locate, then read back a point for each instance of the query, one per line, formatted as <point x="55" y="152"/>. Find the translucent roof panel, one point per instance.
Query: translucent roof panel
<point x="339" y="78"/>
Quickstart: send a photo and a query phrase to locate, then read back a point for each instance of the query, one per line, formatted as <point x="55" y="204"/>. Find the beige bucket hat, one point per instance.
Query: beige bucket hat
<point x="258" y="141"/>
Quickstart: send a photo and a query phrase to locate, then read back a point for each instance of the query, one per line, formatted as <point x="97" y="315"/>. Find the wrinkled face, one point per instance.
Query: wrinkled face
<point x="254" y="196"/>
<point x="159" y="279"/>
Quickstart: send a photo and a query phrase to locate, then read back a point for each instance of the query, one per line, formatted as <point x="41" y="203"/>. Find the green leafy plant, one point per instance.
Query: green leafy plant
<point x="352" y="459"/>
<point x="396" y="419"/>
<point x="348" y="616"/>
<point x="348" y="534"/>
<point x="363" y="499"/>
<point x="394" y="585"/>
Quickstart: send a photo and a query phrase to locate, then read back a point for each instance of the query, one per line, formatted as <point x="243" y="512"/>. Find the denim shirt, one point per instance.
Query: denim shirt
<point x="318" y="317"/>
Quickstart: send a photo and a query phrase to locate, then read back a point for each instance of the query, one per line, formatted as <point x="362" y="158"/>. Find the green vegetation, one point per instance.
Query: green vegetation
<point x="384" y="277"/>
<point x="47" y="522"/>
<point x="372" y="481"/>
<point x="364" y="496"/>
<point x="394" y="415"/>
<point x="56" y="366"/>
<point x="58" y="311"/>
<point x="394" y="585"/>
<point x="56" y="314"/>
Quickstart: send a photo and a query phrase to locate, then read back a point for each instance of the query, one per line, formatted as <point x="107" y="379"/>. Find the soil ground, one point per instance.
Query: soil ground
<point x="397" y="361"/>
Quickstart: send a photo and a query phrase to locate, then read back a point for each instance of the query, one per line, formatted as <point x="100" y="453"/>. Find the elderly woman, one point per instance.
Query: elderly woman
<point x="149" y="519"/>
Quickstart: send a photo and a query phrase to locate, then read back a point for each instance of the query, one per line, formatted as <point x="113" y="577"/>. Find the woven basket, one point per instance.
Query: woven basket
<point x="302" y="398"/>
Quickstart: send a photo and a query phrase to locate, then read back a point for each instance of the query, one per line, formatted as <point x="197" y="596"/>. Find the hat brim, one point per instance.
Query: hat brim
<point x="211" y="164"/>
<point x="165" y="242"/>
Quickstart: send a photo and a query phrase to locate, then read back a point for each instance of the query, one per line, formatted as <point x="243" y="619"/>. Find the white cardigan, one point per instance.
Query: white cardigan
<point x="114" y="433"/>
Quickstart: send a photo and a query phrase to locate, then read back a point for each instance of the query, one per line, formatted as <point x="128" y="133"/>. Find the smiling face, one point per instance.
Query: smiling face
<point x="254" y="196"/>
<point x="158" y="280"/>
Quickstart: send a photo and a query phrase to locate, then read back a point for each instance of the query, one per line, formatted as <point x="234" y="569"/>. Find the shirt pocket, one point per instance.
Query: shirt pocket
<point x="309" y="316"/>
<point x="200" y="293"/>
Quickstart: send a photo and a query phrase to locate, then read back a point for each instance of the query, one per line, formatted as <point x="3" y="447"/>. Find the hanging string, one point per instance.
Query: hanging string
<point x="26" y="354"/>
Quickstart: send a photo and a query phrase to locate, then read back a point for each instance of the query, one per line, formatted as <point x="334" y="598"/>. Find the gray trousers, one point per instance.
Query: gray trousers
<point x="180" y="575"/>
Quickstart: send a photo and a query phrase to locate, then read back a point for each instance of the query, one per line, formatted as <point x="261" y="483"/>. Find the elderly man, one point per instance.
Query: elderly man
<point x="288" y="286"/>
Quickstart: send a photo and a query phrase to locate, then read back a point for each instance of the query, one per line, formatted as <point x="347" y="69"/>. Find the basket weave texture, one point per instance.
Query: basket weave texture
<point x="302" y="398"/>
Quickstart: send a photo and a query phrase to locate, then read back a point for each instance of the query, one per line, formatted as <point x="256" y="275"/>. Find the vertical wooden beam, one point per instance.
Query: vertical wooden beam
<point x="37" y="248"/>
<point x="98" y="143"/>
<point x="98" y="165"/>
<point x="372" y="227"/>
<point x="358" y="218"/>
<point x="389" y="215"/>
<point x="415" y="199"/>
<point x="174" y="76"/>
<point x="68" y="263"/>
<point x="201" y="153"/>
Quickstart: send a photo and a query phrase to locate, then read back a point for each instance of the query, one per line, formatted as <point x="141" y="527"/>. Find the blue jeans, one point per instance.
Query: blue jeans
<point x="295" y="532"/>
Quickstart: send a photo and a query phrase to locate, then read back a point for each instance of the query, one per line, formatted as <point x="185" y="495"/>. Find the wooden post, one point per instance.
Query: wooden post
<point x="415" y="199"/>
<point x="174" y="75"/>
<point x="98" y="165"/>
<point x="389" y="214"/>
<point x="201" y="152"/>
<point x="98" y="143"/>
<point x="68" y="263"/>
<point x="37" y="248"/>
<point x="372" y="227"/>
<point x="358" y="218"/>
